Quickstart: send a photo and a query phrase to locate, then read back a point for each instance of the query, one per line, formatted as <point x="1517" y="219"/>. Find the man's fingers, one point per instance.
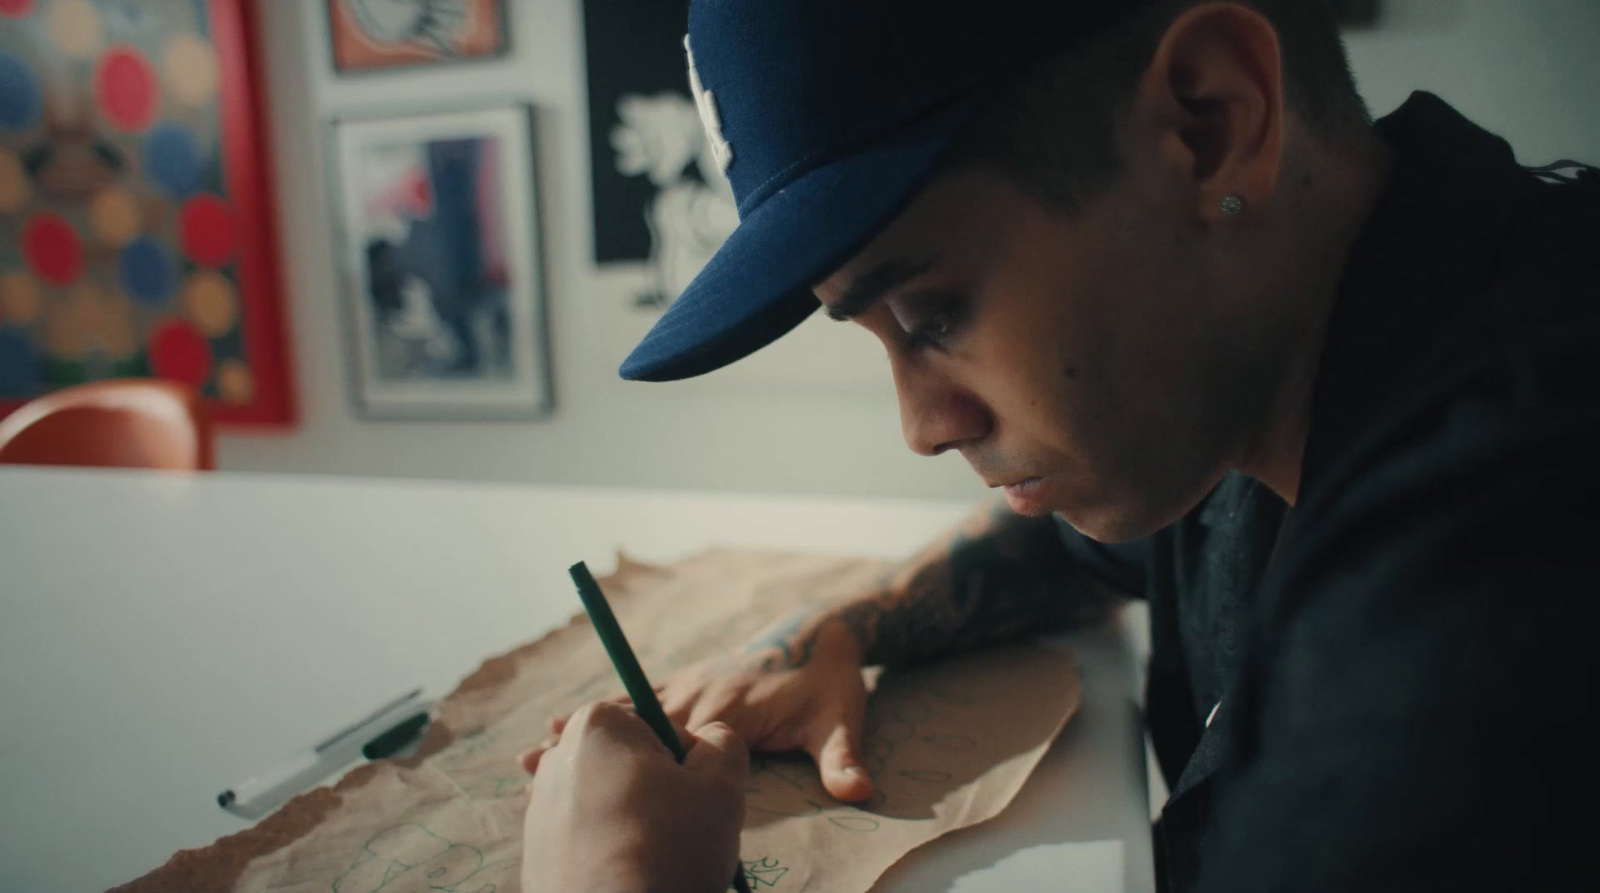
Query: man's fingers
<point x="557" y="723"/>
<point x="678" y="703"/>
<point x="836" y="747"/>
<point x="785" y="737"/>
<point x="714" y="749"/>
<point x="712" y="707"/>
<point x="529" y="760"/>
<point x="609" y="721"/>
<point x="684" y="738"/>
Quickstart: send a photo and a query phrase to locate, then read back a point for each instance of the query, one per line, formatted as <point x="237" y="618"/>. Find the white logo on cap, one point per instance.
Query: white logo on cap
<point x="710" y="118"/>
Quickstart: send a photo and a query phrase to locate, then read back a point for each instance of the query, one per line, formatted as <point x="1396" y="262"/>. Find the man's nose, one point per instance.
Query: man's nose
<point x="935" y="414"/>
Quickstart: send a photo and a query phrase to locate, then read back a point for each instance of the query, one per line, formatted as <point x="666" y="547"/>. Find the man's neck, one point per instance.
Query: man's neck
<point x="1345" y="193"/>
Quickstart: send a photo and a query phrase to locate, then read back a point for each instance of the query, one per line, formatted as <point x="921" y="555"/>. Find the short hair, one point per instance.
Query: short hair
<point x="1052" y="127"/>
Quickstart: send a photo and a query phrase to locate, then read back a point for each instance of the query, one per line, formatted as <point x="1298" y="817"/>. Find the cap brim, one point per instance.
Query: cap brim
<point x="758" y="285"/>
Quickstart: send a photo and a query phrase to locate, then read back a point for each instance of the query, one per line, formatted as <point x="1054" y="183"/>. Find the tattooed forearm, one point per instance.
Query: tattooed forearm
<point x="1000" y="576"/>
<point x="791" y="639"/>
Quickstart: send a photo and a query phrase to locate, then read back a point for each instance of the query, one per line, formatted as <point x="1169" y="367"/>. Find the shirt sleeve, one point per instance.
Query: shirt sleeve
<point x="1418" y="707"/>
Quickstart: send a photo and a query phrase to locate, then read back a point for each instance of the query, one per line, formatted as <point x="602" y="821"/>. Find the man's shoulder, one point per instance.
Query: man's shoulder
<point x="1422" y="667"/>
<point x="1482" y="453"/>
<point x="1505" y="430"/>
<point x="1541" y="278"/>
<point x="1502" y="369"/>
<point x="1535" y="287"/>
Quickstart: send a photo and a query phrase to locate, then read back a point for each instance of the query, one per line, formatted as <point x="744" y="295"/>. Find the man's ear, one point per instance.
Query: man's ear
<point x="1212" y="97"/>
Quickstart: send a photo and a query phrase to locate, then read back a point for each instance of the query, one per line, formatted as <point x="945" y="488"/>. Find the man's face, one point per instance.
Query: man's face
<point x="1091" y="364"/>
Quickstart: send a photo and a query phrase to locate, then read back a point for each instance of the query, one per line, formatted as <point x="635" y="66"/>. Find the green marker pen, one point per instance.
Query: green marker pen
<point x="634" y="681"/>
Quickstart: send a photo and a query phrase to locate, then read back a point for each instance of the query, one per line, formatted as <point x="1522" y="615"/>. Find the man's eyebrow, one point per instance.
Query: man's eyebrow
<point x="868" y="288"/>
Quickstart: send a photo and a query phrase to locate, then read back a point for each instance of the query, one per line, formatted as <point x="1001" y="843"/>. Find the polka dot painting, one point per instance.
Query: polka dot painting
<point x="208" y="301"/>
<point x="51" y="248"/>
<point x="179" y="352"/>
<point x="123" y="212"/>
<point x="115" y="216"/>
<point x="19" y="363"/>
<point x="19" y="93"/>
<point x="144" y="271"/>
<point x="206" y="230"/>
<point x="74" y="27"/>
<point x="190" y="69"/>
<point x="83" y="302"/>
<point x="105" y="320"/>
<point x="64" y="338"/>
<point x="235" y="384"/>
<point x="172" y="159"/>
<point x="15" y="190"/>
<point x="19" y="299"/>
<point x="125" y="89"/>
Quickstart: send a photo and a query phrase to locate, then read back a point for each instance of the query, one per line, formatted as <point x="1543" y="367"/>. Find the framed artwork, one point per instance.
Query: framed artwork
<point x="659" y="195"/>
<point x="441" y="264"/>
<point x="370" y="35"/>
<point x="136" y="227"/>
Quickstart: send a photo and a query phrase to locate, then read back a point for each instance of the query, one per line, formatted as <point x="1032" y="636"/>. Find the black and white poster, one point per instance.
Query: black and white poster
<point x="659" y="193"/>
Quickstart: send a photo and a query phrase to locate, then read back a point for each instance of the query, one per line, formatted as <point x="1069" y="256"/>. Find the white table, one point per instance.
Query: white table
<point x="163" y="636"/>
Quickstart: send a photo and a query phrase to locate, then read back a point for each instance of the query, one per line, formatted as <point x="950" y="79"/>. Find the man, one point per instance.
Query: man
<point x="1321" y="390"/>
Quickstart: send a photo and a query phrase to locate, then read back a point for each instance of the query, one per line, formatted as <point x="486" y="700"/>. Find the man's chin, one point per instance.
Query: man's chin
<point x="1105" y="523"/>
<point x="1097" y="515"/>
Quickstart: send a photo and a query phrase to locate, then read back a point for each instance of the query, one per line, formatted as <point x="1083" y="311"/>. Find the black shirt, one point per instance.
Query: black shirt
<point x="1405" y="673"/>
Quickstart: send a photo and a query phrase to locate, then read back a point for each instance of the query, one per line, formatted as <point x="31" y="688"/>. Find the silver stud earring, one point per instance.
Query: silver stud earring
<point x="1232" y="206"/>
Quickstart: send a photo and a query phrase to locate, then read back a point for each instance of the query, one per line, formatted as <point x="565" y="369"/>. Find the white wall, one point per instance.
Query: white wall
<point x="815" y="413"/>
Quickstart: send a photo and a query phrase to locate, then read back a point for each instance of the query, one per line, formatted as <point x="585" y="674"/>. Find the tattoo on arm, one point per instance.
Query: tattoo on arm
<point x="794" y="649"/>
<point x="998" y="577"/>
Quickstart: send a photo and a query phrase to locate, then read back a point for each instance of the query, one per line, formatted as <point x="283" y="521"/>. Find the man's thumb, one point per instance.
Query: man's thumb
<point x="716" y="750"/>
<point x="837" y="749"/>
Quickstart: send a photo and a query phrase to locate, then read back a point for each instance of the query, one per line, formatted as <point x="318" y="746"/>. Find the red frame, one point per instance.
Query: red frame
<point x="247" y="171"/>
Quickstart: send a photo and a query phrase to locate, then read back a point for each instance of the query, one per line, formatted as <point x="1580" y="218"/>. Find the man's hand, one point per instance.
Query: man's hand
<point x="611" y="810"/>
<point x="797" y="688"/>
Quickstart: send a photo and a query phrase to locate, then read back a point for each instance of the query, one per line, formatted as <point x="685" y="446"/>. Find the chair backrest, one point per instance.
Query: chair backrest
<point x="126" y="423"/>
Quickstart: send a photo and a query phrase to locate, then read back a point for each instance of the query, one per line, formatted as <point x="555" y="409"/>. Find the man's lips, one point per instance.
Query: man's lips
<point x="1015" y="484"/>
<point x="1027" y="496"/>
<point x="1024" y="485"/>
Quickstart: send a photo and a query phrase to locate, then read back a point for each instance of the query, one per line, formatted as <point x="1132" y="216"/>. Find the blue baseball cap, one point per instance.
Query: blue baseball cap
<point x="828" y="116"/>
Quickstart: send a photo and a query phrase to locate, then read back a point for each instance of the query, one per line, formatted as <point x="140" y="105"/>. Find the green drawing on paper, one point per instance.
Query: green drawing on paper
<point x="411" y="859"/>
<point x="788" y="798"/>
<point x="857" y="823"/>
<point x="497" y="788"/>
<point x="780" y="804"/>
<point x="764" y="872"/>
<point x="457" y="753"/>
<point x="476" y="741"/>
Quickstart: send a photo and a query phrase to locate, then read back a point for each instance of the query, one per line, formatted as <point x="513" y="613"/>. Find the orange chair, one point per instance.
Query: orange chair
<point x="127" y="423"/>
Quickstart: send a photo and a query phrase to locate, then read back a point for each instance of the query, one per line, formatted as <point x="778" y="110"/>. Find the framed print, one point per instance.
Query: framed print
<point x="136" y="222"/>
<point x="370" y="35"/>
<point x="441" y="264"/>
<point x="660" y="196"/>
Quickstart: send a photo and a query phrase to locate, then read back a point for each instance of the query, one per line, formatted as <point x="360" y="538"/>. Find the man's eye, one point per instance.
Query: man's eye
<point x="933" y="320"/>
<point x="934" y="332"/>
